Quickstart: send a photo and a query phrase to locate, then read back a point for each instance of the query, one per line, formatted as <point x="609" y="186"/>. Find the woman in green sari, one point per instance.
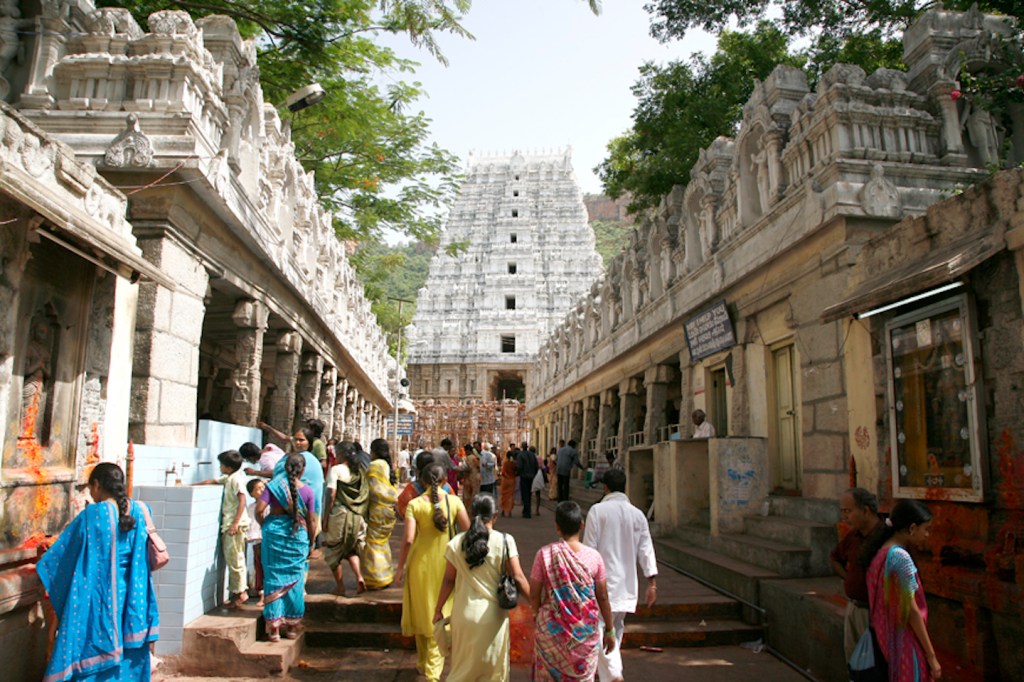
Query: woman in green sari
<point x="348" y="497"/>
<point x="377" y="569"/>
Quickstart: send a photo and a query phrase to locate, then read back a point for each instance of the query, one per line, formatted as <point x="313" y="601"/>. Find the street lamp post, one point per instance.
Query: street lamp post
<point x="398" y="372"/>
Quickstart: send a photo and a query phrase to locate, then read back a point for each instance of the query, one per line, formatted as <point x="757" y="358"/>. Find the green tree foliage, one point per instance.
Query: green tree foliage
<point x="611" y="236"/>
<point x="682" y="107"/>
<point x="390" y="273"/>
<point x="819" y="18"/>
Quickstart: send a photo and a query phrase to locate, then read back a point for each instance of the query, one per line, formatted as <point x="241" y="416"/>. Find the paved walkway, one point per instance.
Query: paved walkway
<point x="733" y="663"/>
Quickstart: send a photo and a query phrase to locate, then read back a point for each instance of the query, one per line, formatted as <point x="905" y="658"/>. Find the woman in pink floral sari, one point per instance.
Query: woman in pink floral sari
<point x="899" y="613"/>
<point x="568" y="591"/>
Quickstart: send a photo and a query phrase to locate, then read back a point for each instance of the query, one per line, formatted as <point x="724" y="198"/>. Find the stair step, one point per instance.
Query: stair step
<point x="688" y="634"/>
<point x="821" y="511"/>
<point x="361" y="635"/>
<point x="327" y="607"/>
<point x="738" y="577"/>
<point x="226" y="646"/>
<point x="790" y="561"/>
<point x="791" y="530"/>
<point x="818" y="537"/>
<point x="695" y="608"/>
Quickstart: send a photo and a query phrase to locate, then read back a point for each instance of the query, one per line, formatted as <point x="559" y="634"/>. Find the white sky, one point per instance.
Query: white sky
<point x="541" y="74"/>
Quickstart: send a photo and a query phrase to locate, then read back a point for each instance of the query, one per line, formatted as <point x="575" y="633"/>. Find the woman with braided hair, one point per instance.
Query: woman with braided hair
<point x="288" y="533"/>
<point x="97" y="577"/>
<point x="480" y="627"/>
<point x="430" y="522"/>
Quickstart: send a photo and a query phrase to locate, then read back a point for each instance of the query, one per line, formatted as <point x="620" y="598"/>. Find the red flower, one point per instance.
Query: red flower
<point x="955" y="95"/>
<point x="1020" y="81"/>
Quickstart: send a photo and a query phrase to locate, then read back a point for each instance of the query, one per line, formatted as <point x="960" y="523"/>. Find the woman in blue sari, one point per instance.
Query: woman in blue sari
<point x="288" y="532"/>
<point x="97" y="577"/>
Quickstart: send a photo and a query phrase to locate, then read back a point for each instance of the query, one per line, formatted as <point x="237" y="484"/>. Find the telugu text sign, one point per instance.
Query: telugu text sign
<point x="709" y="331"/>
<point x="406" y="424"/>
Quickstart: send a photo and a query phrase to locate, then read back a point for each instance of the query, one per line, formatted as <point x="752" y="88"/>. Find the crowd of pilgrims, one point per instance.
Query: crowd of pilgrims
<point x="335" y="502"/>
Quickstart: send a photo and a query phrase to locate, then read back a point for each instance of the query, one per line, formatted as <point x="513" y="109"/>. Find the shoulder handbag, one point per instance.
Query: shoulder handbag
<point x="451" y="521"/>
<point x="156" y="548"/>
<point x="508" y="591"/>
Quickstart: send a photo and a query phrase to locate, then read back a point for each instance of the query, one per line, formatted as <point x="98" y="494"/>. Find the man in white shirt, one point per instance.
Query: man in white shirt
<point x="704" y="428"/>
<point x="620" y="532"/>
<point x="488" y="464"/>
<point x="403" y="464"/>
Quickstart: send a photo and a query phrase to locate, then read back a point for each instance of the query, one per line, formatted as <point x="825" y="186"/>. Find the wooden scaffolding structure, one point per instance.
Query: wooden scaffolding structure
<point x="500" y="422"/>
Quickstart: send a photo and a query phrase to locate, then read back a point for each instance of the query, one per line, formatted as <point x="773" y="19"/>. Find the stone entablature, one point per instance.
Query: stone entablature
<point x="860" y="147"/>
<point x="185" y="98"/>
<point x="528" y="240"/>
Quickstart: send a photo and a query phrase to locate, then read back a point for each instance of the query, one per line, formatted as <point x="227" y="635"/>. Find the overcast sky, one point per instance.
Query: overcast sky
<point x="542" y="74"/>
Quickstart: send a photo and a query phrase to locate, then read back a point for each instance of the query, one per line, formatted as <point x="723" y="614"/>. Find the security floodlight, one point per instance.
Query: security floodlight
<point x="305" y="97"/>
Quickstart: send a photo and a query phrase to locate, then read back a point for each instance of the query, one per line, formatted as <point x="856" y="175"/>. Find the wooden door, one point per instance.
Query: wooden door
<point x="786" y="445"/>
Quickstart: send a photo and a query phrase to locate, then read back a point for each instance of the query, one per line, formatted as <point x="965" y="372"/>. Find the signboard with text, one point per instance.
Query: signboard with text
<point x="406" y="424"/>
<point x="709" y="331"/>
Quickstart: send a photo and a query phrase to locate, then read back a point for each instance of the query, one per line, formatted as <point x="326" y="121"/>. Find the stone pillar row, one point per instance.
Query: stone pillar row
<point x="317" y="389"/>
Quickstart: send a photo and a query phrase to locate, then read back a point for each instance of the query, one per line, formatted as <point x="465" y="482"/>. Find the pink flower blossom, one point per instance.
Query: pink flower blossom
<point x="955" y="95"/>
<point x="1020" y="81"/>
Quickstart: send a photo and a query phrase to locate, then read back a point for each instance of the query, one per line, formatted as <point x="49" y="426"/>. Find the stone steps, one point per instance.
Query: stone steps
<point x="226" y="645"/>
<point x="818" y="537"/>
<point x="660" y="633"/>
<point x="738" y="577"/>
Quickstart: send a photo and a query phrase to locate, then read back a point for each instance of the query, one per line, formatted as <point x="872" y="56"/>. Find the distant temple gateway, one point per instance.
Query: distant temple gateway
<point x="526" y="255"/>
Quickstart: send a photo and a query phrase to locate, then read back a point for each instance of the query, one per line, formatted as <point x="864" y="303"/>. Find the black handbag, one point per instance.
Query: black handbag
<point x="508" y="591"/>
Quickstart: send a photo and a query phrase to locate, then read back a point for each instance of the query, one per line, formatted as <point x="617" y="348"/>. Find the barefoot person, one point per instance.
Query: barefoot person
<point x="348" y="502"/>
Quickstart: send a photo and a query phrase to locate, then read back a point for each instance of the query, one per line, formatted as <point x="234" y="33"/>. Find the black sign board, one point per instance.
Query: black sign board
<point x="709" y="331"/>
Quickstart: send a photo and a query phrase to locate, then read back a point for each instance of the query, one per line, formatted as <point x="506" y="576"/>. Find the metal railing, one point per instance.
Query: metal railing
<point x="665" y="432"/>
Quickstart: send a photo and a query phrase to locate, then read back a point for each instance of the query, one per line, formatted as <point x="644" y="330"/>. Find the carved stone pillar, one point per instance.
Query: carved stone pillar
<point x="251" y="319"/>
<point x="629" y="409"/>
<point x="576" y="422"/>
<point x="351" y="429"/>
<point x="608" y="421"/>
<point x="591" y="409"/>
<point x="739" y="417"/>
<point x="340" y="404"/>
<point x="685" y="393"/>
<point x="307" y="395"/>
<point x="328" y="394"/>
<point x="51" y="35"/>
<point x="656" y="379"/>
<point x="952" y="137"/>
<point x="286" y="375"/>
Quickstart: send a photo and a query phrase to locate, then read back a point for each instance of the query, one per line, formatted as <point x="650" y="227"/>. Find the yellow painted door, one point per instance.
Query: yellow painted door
<point x="786" y="448"/>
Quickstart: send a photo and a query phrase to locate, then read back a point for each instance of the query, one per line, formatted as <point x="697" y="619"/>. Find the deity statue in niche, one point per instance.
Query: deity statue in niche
<point x="38" y="376"/>
<point x="759" y="169"/>
<point x="981" y="133"/>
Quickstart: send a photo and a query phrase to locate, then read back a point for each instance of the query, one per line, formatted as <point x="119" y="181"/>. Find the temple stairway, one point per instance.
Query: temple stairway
<point x="225" y="643"/>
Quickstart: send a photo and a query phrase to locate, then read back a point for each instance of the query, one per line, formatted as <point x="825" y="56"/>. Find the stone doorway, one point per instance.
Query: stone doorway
<point x="507" y="385"/>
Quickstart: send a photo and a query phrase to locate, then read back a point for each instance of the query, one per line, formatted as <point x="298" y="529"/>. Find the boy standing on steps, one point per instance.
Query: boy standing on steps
<point x="234" y="522"/>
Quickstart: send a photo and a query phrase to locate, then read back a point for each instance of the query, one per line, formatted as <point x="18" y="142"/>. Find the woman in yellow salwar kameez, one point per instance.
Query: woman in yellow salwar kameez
<point x="430" y="522"/>
<point x="480" y="627"/>
<point x="380" y="520"/>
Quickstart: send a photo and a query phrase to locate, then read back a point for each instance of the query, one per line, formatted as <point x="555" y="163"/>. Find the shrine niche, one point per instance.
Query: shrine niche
<point x="51" y="334"/>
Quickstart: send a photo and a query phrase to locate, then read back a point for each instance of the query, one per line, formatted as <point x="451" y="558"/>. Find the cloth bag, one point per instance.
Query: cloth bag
<point x="508" y="591"/>
<point x="443" y="636"/>
<point x="867" y="664"/>
<point x="156" y="548"/>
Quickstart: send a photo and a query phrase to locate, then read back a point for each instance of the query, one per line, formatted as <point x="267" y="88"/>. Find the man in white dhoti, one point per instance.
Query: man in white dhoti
<point x="620" y="532"/>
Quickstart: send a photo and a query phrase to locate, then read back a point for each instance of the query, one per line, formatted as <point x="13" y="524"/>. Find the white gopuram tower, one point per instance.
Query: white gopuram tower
<point x="526" y="255"/>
